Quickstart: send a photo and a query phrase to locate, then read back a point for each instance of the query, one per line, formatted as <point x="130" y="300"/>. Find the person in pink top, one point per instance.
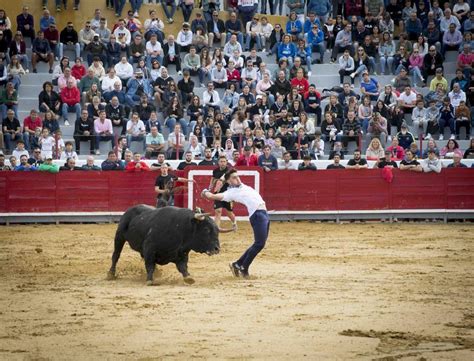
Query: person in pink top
<point x="451" y="149"/>
<point x="415" y="65"/>
<point x="465" y="60"/>
<point x="30" y="123"/>
<point x="71" y="99"/>
<point x="396" y="150"/>
<point x="103" y="130"/>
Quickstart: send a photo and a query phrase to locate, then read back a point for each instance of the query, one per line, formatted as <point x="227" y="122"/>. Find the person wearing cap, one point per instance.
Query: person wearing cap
<point x="386" y="161"/>
<point x="216" y="30"/>
<point x="26" y="23"/>
<point x="136" y="87"/>
<point x="69" y="38"/>
<point x="185" y="37"/>
<point x="404" y="137"/>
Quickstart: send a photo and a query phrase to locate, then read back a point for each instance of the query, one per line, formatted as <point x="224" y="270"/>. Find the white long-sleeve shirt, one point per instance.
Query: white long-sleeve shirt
<point x="123" y="71"/>
<point x="184" y="38"/>
<point x="346" y="64"/>
<point x="108" y="83"/>
<point x="150" y="48"/>
<point x="218" y="75"/>
<point x="245" y="195"/>
<point x="123" y="34"/>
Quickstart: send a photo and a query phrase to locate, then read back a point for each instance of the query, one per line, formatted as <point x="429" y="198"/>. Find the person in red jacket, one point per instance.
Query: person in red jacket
<point x="71" y="98"/>
<point x="247" y="158"/>
<point x="396" y="150"/>
<point x="300" y="82"/>
<point x="30" y="123"/>
<point x="137" y="165"/>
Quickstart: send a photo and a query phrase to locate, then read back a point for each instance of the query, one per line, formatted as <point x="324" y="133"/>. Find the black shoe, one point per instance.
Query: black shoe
<point x="235" y="269"/>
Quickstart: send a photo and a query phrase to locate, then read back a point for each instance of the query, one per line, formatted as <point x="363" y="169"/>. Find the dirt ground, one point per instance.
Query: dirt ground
<point x="319" y="291"/>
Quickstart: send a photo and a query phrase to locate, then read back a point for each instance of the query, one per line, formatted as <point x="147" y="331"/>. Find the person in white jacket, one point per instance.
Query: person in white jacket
<point x="419" y="118"/>
<point x="109" y="81"/>
<point x="253" y="29"/>
<point x="185" y="37"/>
<point x="267" y="29"/>
<point x="346" y="67"/>
<point x="124" y="70"/>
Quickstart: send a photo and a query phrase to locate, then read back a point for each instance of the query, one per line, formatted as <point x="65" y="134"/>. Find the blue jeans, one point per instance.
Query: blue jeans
<point x="261" y="226"/>
<point x="171" y="122"/>
<point x="119" y="5"/>
<point x="4" y="108"/>
<point x="150" y="59"/>
<point x="136" y="5"/>
<point x="386" y="61"/>
<point x="187" y="11"/>
<point x="258" y="42"/>
<point x="104" y="138"/>
<point x="320" y="48"/>
<point x="136" y="138"/>
<point x="416" y="72"/>
<point x="169" y="7"/>
<point x="71" y="108"/>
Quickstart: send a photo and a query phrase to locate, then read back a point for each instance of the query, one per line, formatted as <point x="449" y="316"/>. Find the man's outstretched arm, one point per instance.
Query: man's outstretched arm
<point x="208" y="195"/>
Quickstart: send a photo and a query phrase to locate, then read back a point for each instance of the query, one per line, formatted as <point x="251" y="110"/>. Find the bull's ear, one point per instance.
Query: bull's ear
<point x="200" y="216"/>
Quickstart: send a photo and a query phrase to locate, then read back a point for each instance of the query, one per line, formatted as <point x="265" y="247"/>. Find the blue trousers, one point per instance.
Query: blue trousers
<point x="261" y="226"/>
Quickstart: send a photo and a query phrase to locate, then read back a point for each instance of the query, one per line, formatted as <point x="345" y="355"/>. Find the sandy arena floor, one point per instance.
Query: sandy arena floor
<point x="319" y="291"/>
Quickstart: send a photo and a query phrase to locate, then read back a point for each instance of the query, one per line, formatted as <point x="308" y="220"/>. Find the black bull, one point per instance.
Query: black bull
<point x="165" y="235"/>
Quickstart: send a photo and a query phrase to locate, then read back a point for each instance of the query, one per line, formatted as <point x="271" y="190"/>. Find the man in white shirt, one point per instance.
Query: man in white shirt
<point x="457" y="95"/>
<point x="124" y="70"/>
<point x="251" y="199"/>
<point x="185" y="37"/>
<point x="407" y="100"/>
<point x="136" y="130"/>
<point x="210" y="97"/>
<point x="123" y="35"/>
<point x="249" y="75"/>
<point x="109" y="81"/>
<point x="154" y="51"/>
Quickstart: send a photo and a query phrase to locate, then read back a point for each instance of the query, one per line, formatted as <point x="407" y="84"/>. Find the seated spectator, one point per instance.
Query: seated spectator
<point x="450" y="149"/>
<point x="346" y="67"/>
<point x="102" y="130"/>
<point x="136" y="131"/>
<point x="84" y="131"/>
<point x="247" y="158"/>
<point x="405" y="138"/>
<point x="457" y="162"/>
<point x="462" y="119"/>
<point x="374" y="150"/>
<point x="342" y="42"/>
<point x="410" y="163"/>
<point x="216" y="30"/>
<point x="307" y="164"/>
<point x="112" y="163"/>
<point x="446" y="118"/>
<point x="69" y="38"/>
<point x="89" y="165"/>
<point x="69" y="165"/>
<point x="439" y="79"/>
<point x="36" y="159"/>
<point x="14" y="72"/>
<point x="195" y="147"/>
<point x="219" y="76"/>
<point x="13" y="163"/>
<point x="30" y="124"/>
<point x="233" y="26"/>
<point x="432" y="163"/>
<point x="357" y="162"/>
<point x="386" y="52"/>
<point x="267" y="161"/>
<point x="369" y="86"/>
<point x="78" y="70"/>
<point x="452" y="39"/>
<point x="8" y="100"/>
<point x="71" y="100"/>
<point x="208" y="159"/>
<point x="386" y="161"/>
<point x="407" y="100"/>
<point x="48" y="166"/>
<point x="24" y="166"/>
<point x="185" y="37"/>
<point x="11" y="130"/>
<point x="378" y="128"/>
<point x="430" y="146"/>
<point x="188" y="161"/>
<point x="286" y="162"/>
<point x="350" y="129"/>
<point x="176" y="142"/>
<point x="136" y="87"/>
<point x="25" y="23"/>
<point x="137" y="49"/>
<point x="171" y="53"/>
<point x="124" y="70"/>
<point x="336" y="162"/>
<point x="287" y="50"/>
<point x="41" y="51"/>
<point x="136" y="165"/>
<point x="20" y="150"/>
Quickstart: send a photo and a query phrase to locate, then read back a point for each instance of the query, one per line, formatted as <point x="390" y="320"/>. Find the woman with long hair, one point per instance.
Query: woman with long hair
<point x="15" y="71"/>
<point x="375" y="150"/>
<point x="174" y="114"/>
<point x="386" y="52"/>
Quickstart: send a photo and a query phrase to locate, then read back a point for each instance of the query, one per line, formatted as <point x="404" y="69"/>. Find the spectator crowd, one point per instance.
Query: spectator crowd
<point x="206" y="91"/>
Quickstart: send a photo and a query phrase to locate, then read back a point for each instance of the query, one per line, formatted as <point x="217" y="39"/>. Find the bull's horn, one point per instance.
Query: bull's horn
<point x="201" y="216"/>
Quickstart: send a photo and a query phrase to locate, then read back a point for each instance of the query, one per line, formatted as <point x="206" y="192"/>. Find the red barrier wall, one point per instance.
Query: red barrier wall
<point x="282" y="190"/>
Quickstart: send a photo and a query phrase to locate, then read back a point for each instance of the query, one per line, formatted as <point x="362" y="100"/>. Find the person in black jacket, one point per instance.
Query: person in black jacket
<point x="48" y="99"/>
<point x="172" y="59"/>
<point x="69" y="165"/>
<point x="69" y="38"/>
<point x="186" y="88"/>
<point x="432" y="61"/>
<point x="275" y="38"/>
<point x="216" y="30"/>
<point x="84" y="131"/>
<point x="117" y="114"/>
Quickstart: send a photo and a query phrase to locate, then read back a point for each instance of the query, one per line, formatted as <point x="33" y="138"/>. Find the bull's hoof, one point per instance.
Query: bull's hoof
<point x="149" y="283"/>
<point x="111" y="276"/>
<point x="189" y="280"/>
